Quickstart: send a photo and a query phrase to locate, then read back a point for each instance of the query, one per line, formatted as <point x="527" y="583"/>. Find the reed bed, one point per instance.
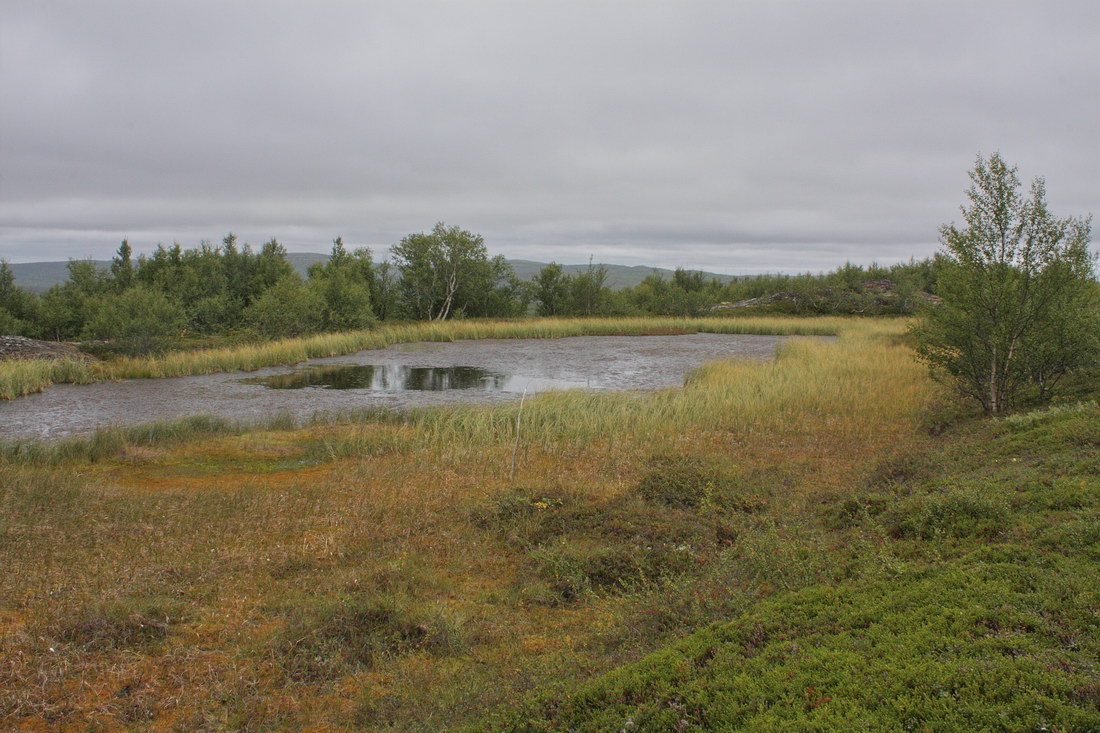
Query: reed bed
<point x="18" y="378"/>
<point x="809" y="378"/>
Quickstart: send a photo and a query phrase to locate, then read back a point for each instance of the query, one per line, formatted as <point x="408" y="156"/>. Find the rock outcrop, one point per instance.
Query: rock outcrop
<point x="20" y="347"/>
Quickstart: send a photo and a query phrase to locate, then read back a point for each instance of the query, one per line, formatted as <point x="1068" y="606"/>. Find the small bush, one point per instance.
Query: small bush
<point x="576" y="567"/>
<point x="579" y="546"/>
<point x="137" y="322"/>
<point x="854" y="510"/>
<point x="528" y="517"/>
<point x="686" y="482"/>
<point x="902" y="468"/>
<point x="329" y="637"/>
<point x="958" y="512"/>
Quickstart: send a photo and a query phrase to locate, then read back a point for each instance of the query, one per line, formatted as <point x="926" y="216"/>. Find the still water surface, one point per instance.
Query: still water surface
<point x="401" y="376"/>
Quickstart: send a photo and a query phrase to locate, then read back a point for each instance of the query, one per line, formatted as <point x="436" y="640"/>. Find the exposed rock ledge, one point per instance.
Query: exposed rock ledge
<point x="20" y="347"/>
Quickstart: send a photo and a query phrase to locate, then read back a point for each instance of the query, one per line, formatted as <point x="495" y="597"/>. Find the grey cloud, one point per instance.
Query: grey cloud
<point x="737" y="136"/>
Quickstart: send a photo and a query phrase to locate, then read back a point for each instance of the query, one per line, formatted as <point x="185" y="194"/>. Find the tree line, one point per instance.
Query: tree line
<point x="1010" y="305"/>
<point x="148" y="303"/>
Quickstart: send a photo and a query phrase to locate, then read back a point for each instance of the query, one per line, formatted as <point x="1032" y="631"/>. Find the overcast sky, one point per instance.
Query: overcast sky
<point x="735" y="137"/>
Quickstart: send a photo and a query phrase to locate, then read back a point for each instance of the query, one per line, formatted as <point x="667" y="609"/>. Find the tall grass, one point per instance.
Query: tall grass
<point x="807" y="379"/>
<point x="18" y="378"/>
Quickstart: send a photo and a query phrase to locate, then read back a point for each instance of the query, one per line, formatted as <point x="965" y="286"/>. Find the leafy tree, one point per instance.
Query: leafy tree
<point x="1017" y="287"/>
<point x="590" y="294"/>
<point x="448" y="272"/>
<point x="506" y="297"/>
<point x="17" y="307"/>
<point x="86" y="277"/>
<point x="138" y="321"/>
<point x="344" y="282"/>
<point x="270" y="266"/>
<point x="122" y="267"/>
<point x="60" y="315"/>
<point x="385" y="292"/>
<point x="552" y="290"/>
<point x="289" y="308"/>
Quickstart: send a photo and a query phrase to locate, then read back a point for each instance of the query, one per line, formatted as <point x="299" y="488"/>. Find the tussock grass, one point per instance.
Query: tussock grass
<point x="18" y="378"/>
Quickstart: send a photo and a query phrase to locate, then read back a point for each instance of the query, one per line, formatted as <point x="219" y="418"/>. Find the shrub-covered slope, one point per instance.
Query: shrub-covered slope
<point x="977" y="608"/>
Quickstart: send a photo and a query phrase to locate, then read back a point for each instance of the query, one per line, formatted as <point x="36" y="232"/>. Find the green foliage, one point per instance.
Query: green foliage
<point x="344" y="283"/>
<point x="850" y="289"/>
<point x="448" y="272"/>
<point x="686" y="294"/>
<point x="288" y="308"/>
<point x="590" y="295"/>
<point x="137" y="321"/>
<point x="1019" y="296"/>
<point x="122" y="267"/>
<point x="17" y="307"/>
<point x="988" y="623"/>
<point x="578" y="546"/>
<point x="552" y="288"/>
<point x="976" y="510"/>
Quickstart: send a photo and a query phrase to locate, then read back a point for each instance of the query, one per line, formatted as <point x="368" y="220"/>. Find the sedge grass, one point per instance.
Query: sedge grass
<point x="808" y="379"/>
<point x="18" y="378"/>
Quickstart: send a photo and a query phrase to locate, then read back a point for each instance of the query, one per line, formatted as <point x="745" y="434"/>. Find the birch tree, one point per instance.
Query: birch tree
<point x="1017" y="287"/>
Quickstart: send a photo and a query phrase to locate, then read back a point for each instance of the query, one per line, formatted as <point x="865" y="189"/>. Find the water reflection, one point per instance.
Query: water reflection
<point x="400" y="378"/>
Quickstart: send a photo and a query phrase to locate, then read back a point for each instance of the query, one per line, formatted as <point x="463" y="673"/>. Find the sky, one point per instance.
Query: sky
<point x="733" y="136"/>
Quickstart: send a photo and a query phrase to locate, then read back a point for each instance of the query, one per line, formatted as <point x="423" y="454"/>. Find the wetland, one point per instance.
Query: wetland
<point x="398" y="377"/>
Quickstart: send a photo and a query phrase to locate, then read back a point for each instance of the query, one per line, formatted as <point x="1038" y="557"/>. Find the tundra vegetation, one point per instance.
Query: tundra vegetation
<point x="817" y="542"/>
<point x="827" y="541"/>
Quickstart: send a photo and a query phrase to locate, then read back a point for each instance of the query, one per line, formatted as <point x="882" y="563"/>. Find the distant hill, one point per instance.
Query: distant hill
<point x="618" y="276"/>
<point x="39" y="276"/>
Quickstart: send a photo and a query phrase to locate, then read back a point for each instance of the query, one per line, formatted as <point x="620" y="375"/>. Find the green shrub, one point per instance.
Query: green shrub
<point x="136" y="322"/>
<point x="578" y="546"/>
<point x="575" y="567"/>
<point x="956" y="512"/>
<point x="855" y="510"/>
<point x="289" y="308"/>
<point x="684" y="481"/>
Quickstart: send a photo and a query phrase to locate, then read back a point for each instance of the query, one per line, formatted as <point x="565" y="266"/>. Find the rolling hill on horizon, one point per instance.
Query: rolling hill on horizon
<point x="40" y="276"/>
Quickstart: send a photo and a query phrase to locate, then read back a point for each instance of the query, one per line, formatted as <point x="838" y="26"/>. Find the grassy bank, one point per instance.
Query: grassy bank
<point x="975" y="610"/>
<point x="751" y="537"/>
<point x="18" y="378"/>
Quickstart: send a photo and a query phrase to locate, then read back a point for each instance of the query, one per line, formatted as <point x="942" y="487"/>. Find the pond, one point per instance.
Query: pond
<point x="401" y="376"/>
